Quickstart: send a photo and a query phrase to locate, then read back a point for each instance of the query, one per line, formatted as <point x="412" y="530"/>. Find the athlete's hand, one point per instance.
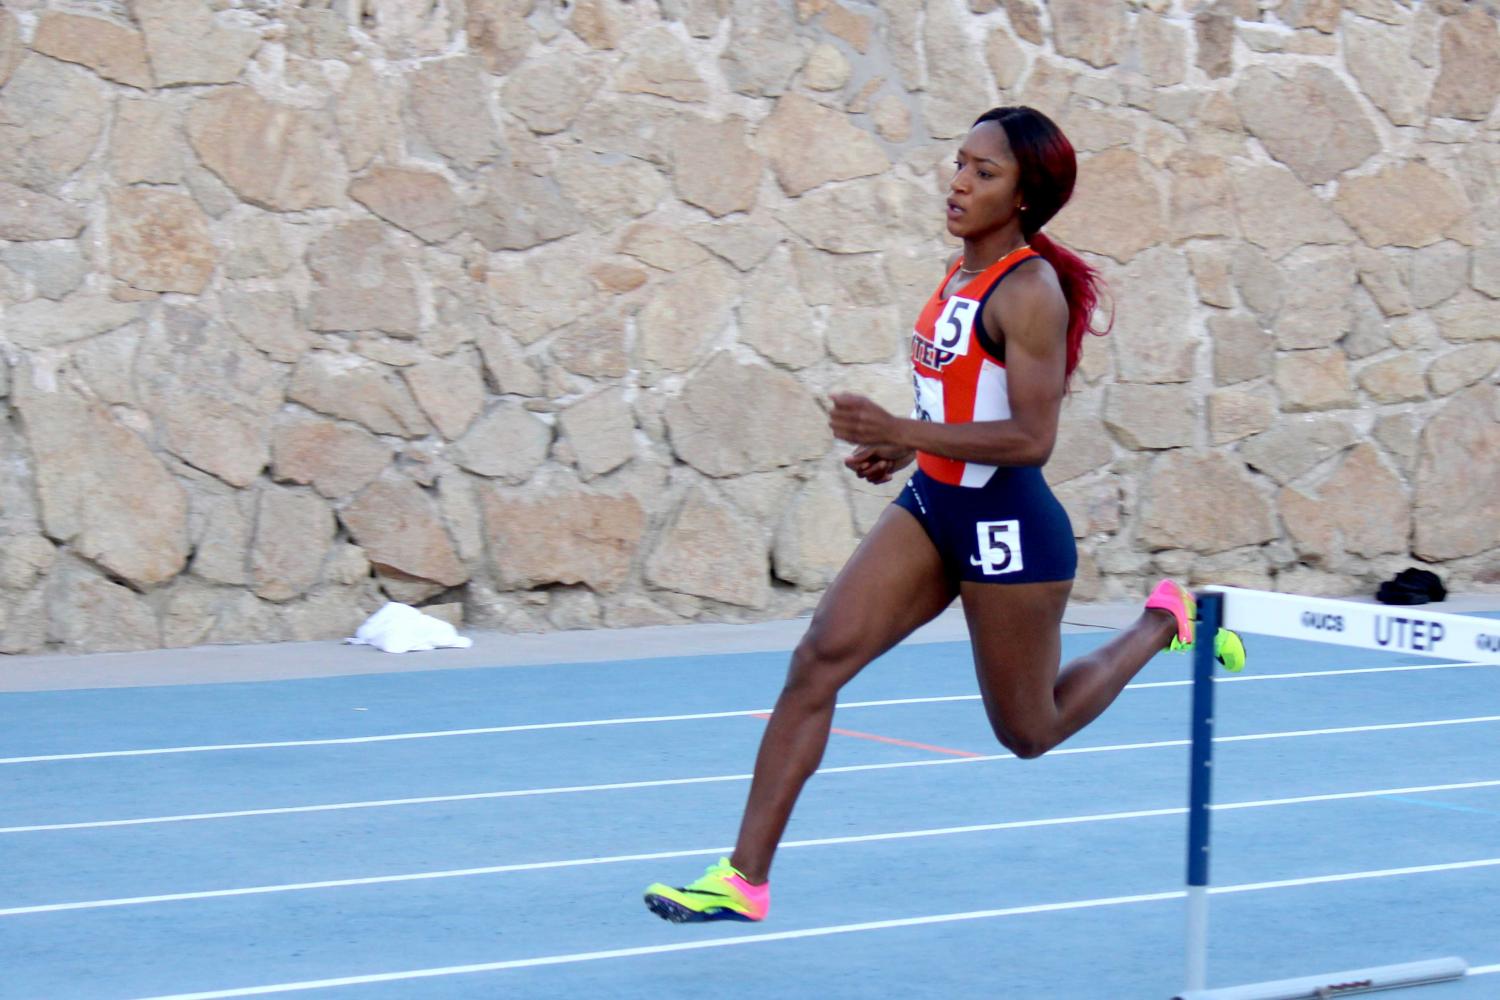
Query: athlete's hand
<point x="860" y="421"/>
<point x="877" y="463"/>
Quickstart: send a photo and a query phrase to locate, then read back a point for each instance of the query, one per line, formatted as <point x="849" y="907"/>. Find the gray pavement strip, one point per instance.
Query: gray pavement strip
<point x="218" y="664"/>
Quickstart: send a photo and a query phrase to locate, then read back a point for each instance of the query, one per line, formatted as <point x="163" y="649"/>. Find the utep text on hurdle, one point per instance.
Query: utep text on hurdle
<point x="1417" y="634"/>
<point x="1396" y="631"/>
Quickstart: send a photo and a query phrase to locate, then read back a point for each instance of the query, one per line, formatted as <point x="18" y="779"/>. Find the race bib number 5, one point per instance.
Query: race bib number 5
<point x="955" y="326"/>
<point x="999" y="547"/>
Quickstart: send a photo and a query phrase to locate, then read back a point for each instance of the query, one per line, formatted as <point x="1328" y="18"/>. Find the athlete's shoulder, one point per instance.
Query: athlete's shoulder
<point x="1035" y="271"/>
<point x="1031" y="287"/>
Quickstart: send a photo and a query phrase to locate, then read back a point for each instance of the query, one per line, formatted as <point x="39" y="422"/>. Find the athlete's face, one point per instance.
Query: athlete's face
<point x="983" y="194"/>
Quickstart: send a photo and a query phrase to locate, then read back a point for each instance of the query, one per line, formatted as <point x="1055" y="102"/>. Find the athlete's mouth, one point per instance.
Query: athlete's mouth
<point x="954" y="209"/>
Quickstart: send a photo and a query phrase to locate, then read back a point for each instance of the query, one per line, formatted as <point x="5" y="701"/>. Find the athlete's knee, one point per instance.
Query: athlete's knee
<point x="1028" y="744"/>
<point x="1029" y="749"/>
<point x="820" y="665"/>
<point x="831" y="641"/>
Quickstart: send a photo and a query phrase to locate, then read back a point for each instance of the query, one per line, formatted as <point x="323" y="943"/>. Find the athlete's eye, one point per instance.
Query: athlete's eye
<point x="985" y="174"/>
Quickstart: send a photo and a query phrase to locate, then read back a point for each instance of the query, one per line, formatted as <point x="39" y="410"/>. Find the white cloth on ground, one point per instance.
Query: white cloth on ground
<point x="401" y="628"/>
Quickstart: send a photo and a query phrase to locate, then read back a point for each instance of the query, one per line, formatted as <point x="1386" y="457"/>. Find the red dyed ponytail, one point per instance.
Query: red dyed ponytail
<point x="1081" y="287"/>
<point x="1048" y="169"/>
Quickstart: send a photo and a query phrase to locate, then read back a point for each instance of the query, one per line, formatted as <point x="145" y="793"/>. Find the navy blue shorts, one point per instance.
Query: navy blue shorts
<point x="1011" y="530"/>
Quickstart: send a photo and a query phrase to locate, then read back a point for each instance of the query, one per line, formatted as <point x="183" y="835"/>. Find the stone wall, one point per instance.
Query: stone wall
<point x="527" y="310"/>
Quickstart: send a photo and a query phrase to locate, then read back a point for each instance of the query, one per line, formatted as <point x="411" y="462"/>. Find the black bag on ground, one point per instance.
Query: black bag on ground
<point x="1412" y="586"/>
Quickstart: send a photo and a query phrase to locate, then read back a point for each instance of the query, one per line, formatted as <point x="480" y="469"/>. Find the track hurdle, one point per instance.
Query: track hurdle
<point x="1345" y="623"/>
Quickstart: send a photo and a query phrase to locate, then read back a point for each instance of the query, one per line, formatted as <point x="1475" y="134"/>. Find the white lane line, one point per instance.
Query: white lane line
<point x="946" y="831"/>
<point x="1346" y="672"/>
<point x="374" y="804"/>
<point x="1285" y="883"/>
<point x="710" y="779"/>
<point x="1385" y="727"/>
<point x="648" y="719"/>
<point x="812" y="932"/>
<point x="387" y="738"/>
<point x="663" y="949"/>
<point x="482" y="731"/>
<point x="1343" y="796"/>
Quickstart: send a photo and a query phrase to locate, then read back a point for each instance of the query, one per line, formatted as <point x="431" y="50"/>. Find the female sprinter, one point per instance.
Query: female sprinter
<point x="991" y="355"/>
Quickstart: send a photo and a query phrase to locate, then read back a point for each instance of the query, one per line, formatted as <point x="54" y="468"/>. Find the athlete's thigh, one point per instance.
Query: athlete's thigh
<point x="892" y="584"/>
<point x="1015" y="631"/>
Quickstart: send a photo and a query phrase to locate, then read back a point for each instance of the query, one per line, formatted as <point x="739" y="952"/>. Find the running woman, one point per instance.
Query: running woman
<point x="991" y="355"/>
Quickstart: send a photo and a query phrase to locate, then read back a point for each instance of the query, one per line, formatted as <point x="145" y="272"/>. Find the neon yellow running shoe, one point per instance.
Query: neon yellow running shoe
<point x="1171" y="596"/>
<point x="721" y="894"/>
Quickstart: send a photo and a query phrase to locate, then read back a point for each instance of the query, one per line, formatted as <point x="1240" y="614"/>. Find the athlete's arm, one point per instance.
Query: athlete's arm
<point x="1029" y="307"/>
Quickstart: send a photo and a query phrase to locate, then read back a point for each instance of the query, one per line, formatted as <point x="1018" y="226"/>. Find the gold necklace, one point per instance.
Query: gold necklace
<point x="965" y="270"/>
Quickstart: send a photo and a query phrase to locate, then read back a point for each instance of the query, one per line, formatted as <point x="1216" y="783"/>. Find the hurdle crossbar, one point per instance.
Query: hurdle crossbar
<point x="1417" y="632"/>
<point x="1315" y="619"/>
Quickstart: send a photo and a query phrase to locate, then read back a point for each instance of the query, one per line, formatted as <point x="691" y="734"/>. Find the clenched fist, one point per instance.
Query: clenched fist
<point x="878" y="463"/>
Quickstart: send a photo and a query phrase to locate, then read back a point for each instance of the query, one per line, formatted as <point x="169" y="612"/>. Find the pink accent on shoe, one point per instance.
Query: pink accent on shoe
<point x="759" y="896"/>
<point x="1170" y="595"/>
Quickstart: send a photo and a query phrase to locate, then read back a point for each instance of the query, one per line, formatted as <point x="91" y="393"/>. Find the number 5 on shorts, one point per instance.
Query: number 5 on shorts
<point x="999" y="547"/>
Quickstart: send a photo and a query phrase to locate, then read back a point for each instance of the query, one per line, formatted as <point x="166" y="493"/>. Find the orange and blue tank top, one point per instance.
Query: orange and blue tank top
<point x="957" y="379"/>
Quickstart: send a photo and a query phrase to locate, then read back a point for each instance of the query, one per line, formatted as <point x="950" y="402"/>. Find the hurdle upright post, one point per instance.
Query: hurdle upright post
<point x="1210" y="614"/>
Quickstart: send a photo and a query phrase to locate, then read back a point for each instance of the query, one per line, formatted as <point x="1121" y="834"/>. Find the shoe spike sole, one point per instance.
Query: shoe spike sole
<point x="677" y="913"/>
